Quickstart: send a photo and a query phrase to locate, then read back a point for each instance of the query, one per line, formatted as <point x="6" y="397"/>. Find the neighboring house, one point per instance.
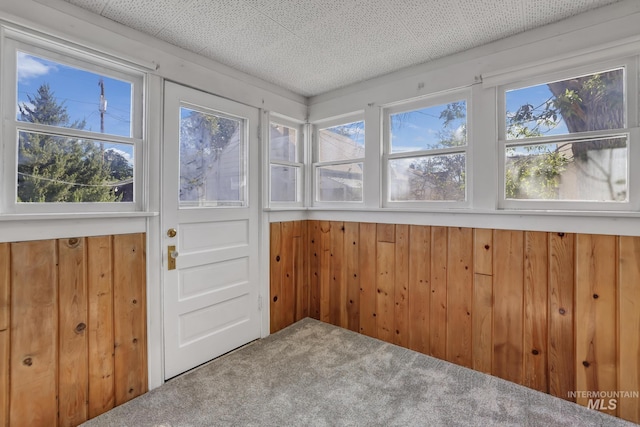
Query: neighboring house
<point x="211" y="165"/>
<point x="340" y="182"/>
<point x="283" y="178"/>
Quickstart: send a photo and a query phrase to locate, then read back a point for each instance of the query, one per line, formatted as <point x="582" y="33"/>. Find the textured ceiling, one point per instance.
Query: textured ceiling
<point x="314" y="46"/>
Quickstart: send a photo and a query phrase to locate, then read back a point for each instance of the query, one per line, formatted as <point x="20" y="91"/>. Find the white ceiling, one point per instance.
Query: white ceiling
<point x="314" y="46"/>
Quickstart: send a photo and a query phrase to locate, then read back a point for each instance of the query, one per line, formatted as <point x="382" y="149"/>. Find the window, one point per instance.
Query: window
<point x="212" y="159"/>
<point x="426" y="152"/>
<point x="339" y="161"/>
<point x="285" y="167"/>
<point x="76" y="136"/>
<point x="565" y="142"/>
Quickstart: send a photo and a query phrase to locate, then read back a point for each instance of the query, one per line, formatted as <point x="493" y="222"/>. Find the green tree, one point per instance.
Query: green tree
<point x="58" y="168"/>
<point x="203" y="138"/>
<point x="588" y="103"/>
<point x="443" y="177"/>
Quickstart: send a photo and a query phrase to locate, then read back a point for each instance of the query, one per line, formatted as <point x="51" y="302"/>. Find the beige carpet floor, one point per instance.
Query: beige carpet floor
<point x="315" y="374"/>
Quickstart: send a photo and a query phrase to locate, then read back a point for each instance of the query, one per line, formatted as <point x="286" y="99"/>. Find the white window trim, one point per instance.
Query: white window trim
<point x="327" y="123"/>
<point x="426" y="102"/>
<point x="13" y="41"/>
<point x="631" y="131"/>
<point x="299" y="163"/>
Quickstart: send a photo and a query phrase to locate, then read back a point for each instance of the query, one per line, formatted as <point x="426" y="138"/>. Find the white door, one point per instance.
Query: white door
<point x="210" y="202"/>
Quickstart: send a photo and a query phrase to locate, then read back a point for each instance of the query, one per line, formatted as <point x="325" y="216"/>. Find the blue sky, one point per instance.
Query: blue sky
<point x="80" y="92"/>
<point x="421" y="129"/>
<point x="536" y="96"/>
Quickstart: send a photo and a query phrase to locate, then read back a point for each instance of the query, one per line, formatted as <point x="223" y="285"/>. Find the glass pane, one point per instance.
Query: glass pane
<point x="212" y="161"/>
<point x="284" y="183"/>
<point x="428" y="178"/>
<point x="56" y="169"/>
<point x="343" y="142"/>
<point x="59" y="95"/>
<point x="339" y="183"/>
<point x="441" y="126"/>
<point x="593" y="170"/>
<point x="587" y="103"/>
<point x="284" y="143"/>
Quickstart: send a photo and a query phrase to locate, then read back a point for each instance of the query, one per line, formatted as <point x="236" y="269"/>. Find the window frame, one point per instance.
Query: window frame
<point x="299" y="164"/>
<point x="631" y="132"/>
<point x="387" y="156"/>
<point x="76" y="57"/>
<point x="316" y="163"/>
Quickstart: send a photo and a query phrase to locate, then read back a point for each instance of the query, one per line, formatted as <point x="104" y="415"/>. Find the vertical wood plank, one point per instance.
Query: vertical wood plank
<point x="368" y="278"/>
<point x="73" y="353"/>
<point x="129" y="291"/>
<point x="596" y="315"/>
<point x="419" y="287"/>
<point x="401" y="287"/>
<point x="561" y="338"/>
<point x="338" y="292"/>
<point x="459" y="295"/>
<point x="386" y="233"/>
<point x="275" y="280"/>
<point x="287" y="308"/>
<point x="629" y="321"/>
<point x="301" y="272"/>
<point x="508" y="259"/>
<point x="5" y="285"/>
<point x="314" y="269"/>
<point x="352" y="274"/>
<point x="536" y="309"/>
<point x="34" y="334"/>
<point x="385" y="290"/>
<point x="482" y="318"/>
<point x="325" y="271"/>
<point x="100" y="326"/>
<point x="438" y="307"/>
<point x="5" y="319"/>
<point x="5" y="351"/>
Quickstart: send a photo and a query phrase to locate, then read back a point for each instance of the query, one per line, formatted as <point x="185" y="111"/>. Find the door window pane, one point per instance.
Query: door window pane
<point x="343" y="142"/>
<point x="431" y="128"/>
<point x="428" y="178"/>
<point x="56" y="169"/>
<point x="59" y="95"/>
<point x="212" y="160"/>
<point x="592" y="170"/>
<point x="339" y="183"/>
<point x="284" y="181"/>
<point x="588" y="103"/>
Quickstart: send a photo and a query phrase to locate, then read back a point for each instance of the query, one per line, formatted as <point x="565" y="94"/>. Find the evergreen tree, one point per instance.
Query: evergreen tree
<point x="59" y="168"/>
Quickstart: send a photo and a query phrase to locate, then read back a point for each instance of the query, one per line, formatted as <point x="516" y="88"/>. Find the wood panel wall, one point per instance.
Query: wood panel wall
<point x="556" y="312"/>
<point x="72" y="328"/>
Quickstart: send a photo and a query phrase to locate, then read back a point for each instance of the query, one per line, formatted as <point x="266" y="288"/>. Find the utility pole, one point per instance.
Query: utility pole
<point x="103" y="109"/>
<point x="103" y="104"/>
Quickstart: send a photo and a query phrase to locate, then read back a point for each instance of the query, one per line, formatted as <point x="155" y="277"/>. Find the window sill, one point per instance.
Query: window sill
<point x="466" y="211"/>
<point x="75" y="216"/>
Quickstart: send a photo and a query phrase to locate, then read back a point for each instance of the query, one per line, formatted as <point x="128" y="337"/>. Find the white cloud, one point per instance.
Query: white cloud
<point x="29" y="67"/>
<point x="460" y="132"/>
<point x="124" y="154"/>
<point x="28" y="105"/>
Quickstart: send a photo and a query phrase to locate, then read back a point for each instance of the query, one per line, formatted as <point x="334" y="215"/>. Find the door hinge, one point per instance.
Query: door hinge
<point x="259" y="302"/>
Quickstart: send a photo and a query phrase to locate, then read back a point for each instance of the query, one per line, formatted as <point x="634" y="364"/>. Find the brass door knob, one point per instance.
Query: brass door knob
<point x="172" y="232"/>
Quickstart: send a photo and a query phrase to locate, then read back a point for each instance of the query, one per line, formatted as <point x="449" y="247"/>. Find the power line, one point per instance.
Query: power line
<point x="76" y="184"/>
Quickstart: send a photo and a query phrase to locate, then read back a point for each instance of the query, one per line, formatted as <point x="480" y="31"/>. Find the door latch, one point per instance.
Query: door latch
<point x="172" y="254"/>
